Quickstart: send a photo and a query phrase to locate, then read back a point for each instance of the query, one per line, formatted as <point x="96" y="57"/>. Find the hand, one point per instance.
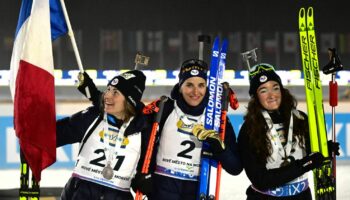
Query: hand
<point x="152" y="107"/>
<point x="142" y="183"/>
<point x="312" y="161"/>
<point x="333" y="147"/>
<point x="210" y="136"/>
<point x="82" y="78"/>
<point x="86" y="85"/>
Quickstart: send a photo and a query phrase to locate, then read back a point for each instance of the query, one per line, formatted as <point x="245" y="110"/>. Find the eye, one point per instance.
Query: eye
<point x="113" y="91"/>
<point x="276" y="88"/>
<point x="262" y="91"/>
<point x="202" y="85"/>
<point x="189" y="85"/>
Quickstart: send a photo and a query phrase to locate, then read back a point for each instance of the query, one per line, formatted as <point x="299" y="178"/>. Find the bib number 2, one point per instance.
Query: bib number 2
<point x="190" y="146"/>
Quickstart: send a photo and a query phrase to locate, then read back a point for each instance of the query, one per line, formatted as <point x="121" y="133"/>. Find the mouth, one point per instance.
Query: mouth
<point x="109" y="104"/>
<point x="195" y="98"/>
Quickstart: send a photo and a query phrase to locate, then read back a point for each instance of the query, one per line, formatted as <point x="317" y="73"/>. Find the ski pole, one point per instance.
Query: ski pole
<point x="332" y="67"/>
<point x="228" y="96"/>
<point x="148" y="156"/>
<point x="222" y="134"/>
<point x="202" y="40"/>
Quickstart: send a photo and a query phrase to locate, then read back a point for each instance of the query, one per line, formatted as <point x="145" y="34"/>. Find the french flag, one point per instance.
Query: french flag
<point x="32" y="81"/>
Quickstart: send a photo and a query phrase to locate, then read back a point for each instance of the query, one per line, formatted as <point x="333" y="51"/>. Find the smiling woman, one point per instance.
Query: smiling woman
<point x="274" y="140"/>
<point x="110" y="138"/>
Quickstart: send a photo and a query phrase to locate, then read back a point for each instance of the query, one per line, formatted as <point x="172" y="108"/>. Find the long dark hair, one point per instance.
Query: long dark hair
<point x="257" y="126"/>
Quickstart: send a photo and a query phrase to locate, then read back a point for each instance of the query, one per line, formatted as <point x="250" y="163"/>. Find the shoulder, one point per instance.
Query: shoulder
<point x="137" y="125"/>
<point x="299" y="114"/>
<point x="243" y="134"/>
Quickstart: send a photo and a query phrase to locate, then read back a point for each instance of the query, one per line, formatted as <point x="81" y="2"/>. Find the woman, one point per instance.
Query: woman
<point x="178" y="155"/>
<point x="274" y="141"/>
<point x="110" y="140"/>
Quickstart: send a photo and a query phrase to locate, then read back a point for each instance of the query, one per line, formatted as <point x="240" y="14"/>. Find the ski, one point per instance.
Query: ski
<point x="323" y="186"/>
<point x="209" y="121"/>
<point x="214" y="176"/>
<point x="208" y="170"/>
<point x="29" y="188"/>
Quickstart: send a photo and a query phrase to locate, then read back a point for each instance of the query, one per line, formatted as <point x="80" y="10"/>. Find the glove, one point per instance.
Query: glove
<point x="152" y="107"/>
<point x="333" y="147"/>
<point x="142" y="183"/>
<point x="88" y="88"/>
<point x="210" y="136"/>
<point x="84" y="81"/>
<point x="83" y="77"/>
<point x="312" y="161"/>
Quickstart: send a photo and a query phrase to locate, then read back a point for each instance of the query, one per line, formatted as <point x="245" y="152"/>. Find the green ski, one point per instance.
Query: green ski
<point x="324" y="187"/>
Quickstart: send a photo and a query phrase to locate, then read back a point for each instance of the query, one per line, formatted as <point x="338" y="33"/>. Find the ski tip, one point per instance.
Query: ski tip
<point x="301" y="13"/>
<point x="310" y="11"/>
<point x="310" y="18"/>
<point x="224" y="45"/>
<point x="217" y="39"/>
<point x="302" y="20"/>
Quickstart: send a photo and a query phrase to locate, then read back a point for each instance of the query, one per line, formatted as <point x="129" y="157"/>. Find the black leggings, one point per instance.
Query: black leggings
<point x="78" y="189"/>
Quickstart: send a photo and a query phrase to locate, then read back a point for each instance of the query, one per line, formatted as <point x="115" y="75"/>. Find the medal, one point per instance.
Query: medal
<point x="107" y="171"/>
<point x="179" y="123"/>
<point x="285" y="162"/>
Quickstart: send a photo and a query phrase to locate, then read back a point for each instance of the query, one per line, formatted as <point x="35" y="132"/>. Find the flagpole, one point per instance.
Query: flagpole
<point x="71" y="36"/>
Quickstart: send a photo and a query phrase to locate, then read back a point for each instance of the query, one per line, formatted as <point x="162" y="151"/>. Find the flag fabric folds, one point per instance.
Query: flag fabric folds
<point x="32" y="81"/>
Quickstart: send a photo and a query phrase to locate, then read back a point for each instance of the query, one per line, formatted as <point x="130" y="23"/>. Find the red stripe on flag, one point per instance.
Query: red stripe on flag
<point x="34" y="116"/>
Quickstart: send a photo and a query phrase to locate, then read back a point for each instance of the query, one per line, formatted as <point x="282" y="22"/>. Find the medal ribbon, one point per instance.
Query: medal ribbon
<point x="109" y="150"/>
<point x="275" y="137"/>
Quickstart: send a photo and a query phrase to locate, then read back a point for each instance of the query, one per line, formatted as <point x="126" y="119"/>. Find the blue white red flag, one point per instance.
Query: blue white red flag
<point x="32" y="81"/>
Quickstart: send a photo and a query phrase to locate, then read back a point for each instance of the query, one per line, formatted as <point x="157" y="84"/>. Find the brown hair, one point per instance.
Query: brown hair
<point x="257" y="126"/>
<point x="129" y="110"/>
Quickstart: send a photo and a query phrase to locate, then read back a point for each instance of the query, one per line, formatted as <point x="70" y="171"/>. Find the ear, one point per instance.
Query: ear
<point x="180" y="89"/>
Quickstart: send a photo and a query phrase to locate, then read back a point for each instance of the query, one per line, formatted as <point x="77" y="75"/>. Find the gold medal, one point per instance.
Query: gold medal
<point x="125" y="141"/>
<point x="179" y="123"/>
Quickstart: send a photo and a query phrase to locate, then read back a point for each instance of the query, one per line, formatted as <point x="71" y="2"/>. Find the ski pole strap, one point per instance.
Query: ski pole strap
<point x="286" y="190"/>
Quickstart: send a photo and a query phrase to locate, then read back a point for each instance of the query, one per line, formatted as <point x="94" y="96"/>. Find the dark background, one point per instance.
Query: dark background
<point x="110" y="32"/>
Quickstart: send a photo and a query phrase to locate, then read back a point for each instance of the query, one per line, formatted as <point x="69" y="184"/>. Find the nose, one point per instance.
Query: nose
<point x="108" y="93"/>
<point x="195" y="90"/>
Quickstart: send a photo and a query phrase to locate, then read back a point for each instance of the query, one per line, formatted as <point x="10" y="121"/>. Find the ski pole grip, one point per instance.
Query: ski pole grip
<point x="333" y="93"/>
<point x="202" y="39"/>
<point x="225" y="92"/>
<point x="163" y="99"/>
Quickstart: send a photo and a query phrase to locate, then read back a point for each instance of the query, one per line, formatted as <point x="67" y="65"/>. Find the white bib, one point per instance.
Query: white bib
<point x="276" y="158"/>
<point x="92" y="158"/>
<point x="179" y="151"/>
